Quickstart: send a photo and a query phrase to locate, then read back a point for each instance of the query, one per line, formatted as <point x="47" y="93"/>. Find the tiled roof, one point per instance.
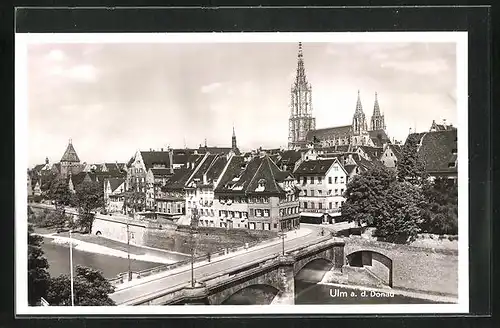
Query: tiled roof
<point x="379" y="137"/>
<point x="330" y="133"/>
<point x="314" y="167"/>
<point x="152" y="158"/>
<point x="38" y="167"/>
<point x="396" y="150"/>
<point x="70" y="155"/>
<point x="290" y="156"/>
<point x="214" y="150"/>
<point x="216" y="169"/>
<point x="438" y="150"/>
<point x="373" y="153"/>
<point x="79" y="178"/>
<point x="245" y="178"/>
<point x="336" y="149"/>
<point x="115" y="183"/>
<point x="181" y="176"/>
<point x="415" y="136"/>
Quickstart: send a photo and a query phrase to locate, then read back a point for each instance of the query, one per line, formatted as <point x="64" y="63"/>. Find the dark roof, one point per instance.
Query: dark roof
<point x="79" y="178"/>
<point x="181" y="176"/>
<point x="336" y="149"/>
<point x="330" y="133"/>
<point x="373" y="153"/>
<point x="212" y="168"/>
<point x="214" y="150"/>
<point x="417" y="137"/>
<point x="290" y="156"/>
<point x="70" y="155"/>
<point x="154" y="158"/>
<point x="216" y="169"/>
<point x="442" y="127"/>
<point x="438" y="150"/>
<point x="244" y="177"/>
<point x="115" y="183"/>
<point x="314" y="167"/>
<point x="379" y="137"/>
<point x="38" y="167"/>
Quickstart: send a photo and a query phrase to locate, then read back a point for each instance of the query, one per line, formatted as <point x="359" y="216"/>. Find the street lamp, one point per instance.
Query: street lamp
<point x="71" y="267"/>
<point x="128" y="253"/>
<point x="193" y="243"/>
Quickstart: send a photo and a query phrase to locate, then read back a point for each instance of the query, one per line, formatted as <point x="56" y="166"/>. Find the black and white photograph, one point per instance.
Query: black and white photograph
<point x="241" y="173"/>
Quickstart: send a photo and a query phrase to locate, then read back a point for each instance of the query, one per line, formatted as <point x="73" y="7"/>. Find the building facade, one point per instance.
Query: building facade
<point x="322" y="182"/>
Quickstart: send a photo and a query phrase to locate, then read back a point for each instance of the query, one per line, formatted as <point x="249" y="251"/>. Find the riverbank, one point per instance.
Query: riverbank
<point x="94" y="248"/>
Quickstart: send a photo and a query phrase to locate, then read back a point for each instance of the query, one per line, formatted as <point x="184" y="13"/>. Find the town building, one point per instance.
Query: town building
<point x="114" y="189"/>
<point x="322" y="182"/>
<point x="391" y="156"/>
<point x="441" y="127"/>
<point x="301" y="119"/>
<point x="70" y="162"/>
<point x="253" y="193"/>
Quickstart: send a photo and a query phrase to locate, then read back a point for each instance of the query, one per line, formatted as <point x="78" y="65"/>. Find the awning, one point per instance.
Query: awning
<point x="310" y="214"/>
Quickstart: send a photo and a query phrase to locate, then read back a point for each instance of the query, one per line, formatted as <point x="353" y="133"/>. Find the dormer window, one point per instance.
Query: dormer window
<point x="454" y="151"/>
<point x="452" y="165"/>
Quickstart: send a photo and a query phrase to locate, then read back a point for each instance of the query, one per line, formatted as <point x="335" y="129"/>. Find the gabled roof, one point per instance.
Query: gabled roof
<point x="161" y="171"/>
<point x="214" y="150"/>
<point x="330" y="133"/>
<point x="438" y="151"/>
<point x="373" y="153"/>
<point x="114" y="183"/>
<point x="70" y="155"/>
<point x="396" y="150"/>
<point x="154" y="158"/>
<point x="181" y="176"/>
<point x="290" y="156"/>
<point x="79" y="178"/>
<point x="247" y="177"/>
<point x="379" y="137"/>
<point x="314" y="167"/>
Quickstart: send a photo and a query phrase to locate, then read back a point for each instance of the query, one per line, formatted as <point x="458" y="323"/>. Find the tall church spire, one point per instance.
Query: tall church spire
<point x="234" y="145"/>
<point x="377" y="121"/>
<point x="301" y="120"/>
<point x="359" y="119"/>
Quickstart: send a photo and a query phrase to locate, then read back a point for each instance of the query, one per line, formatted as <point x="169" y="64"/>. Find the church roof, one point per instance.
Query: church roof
<point x="70" y="155"/>
<point x="330" y="133"/>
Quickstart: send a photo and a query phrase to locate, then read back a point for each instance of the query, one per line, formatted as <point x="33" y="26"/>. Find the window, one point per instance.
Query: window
<point x="336" y="204"/>
<point x="312" y="179"/>
<point x="329" y="192"/>
<point x="336" y="178"/>
<point x="336" y="192"/>
<point x="341" y="179"/>
<point x="258" y="212"/>
<point x="251" y="212"/>
<point x="304" y="181"/>
<point x="312" y="192"/>
<point x="275" y="225"/>
<point x="335" y="168"/>
<point x="305" y="205"/>
<point x="312" y="205"/>
<point x="266" y="213"/>
<point x="320" y="180"/>
<point x="341" y="191"/>
<point x="305" y="192"/>
<point x="320" y="206"/>
<point x="320" y="192"/>
<point x="329" y="180"/>
<point x="341" y="203"/>
<point x="330" y="205"/>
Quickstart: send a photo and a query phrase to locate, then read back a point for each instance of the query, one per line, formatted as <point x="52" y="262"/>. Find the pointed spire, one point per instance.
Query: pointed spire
<point x="359" y="107"/>
<point x="234" y="134"/>
<point x="300" y="50"/>
<point x="376" y="108"/>
<point x="70" y="154"/>
<point x="301" y="73"/>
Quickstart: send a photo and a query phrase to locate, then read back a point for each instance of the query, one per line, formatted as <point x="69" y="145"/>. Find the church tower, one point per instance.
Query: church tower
<point x="70" y="162"/>
<point x="359" y="119"/>
<point x="377" y="122"/>
<point x="301" y="120"/>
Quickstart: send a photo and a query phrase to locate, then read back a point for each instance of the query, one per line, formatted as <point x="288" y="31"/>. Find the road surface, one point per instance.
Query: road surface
<point x="169" y="280"/>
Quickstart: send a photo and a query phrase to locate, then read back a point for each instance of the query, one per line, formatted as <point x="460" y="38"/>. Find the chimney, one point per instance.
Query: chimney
<point x="444" y="121"/>
<point x="205" y="181"/>
<point x="161" y="149"/>
<point x="171" y="160"/>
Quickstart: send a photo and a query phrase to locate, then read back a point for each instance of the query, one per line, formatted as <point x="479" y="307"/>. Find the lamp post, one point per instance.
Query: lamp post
<point x="283" y="236"/>
<point x="193" y="243"/>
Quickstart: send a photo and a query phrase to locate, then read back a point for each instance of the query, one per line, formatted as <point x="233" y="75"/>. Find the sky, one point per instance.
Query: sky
<point x="114" y="99"/>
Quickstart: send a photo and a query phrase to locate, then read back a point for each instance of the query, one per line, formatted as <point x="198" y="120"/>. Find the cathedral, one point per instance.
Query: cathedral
<point x="302" y="124"/>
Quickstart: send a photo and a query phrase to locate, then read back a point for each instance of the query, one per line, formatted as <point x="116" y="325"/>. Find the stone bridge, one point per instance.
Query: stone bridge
<point x="270" y="280"/>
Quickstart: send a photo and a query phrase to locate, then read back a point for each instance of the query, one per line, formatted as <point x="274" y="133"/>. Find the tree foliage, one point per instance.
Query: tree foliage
<point x="400" y="219"/>
<point x="90" y="288"/>
<point x="60" y="193"/>
<point x="38" y="275"/>
<point x="89" y="197"/>
<point x="440" y="210"/>
<point x="135" y="201"/>
<point x="410" y="168"/>
<point x="366" y="195"/>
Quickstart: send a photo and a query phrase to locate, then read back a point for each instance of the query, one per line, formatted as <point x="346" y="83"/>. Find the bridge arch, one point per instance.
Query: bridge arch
<point x="375" y="260"/>
<point x="256" y="294"/>
<point x="314" y="270"/>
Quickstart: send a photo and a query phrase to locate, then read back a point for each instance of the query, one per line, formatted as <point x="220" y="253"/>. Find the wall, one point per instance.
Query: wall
<point x="116" y="230"/>
<point x="430" y="270"/>
<point x="208" y="239"/>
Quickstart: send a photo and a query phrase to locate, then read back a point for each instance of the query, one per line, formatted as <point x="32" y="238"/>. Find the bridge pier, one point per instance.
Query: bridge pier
<point x="286" y="281"/>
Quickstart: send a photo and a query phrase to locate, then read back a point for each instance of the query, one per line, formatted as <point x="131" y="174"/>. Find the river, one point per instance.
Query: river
<point x="110" y="266"/>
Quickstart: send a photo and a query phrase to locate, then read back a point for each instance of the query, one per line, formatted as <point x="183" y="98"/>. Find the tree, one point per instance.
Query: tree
<point x="440" y="210"/>
<point x="89" y="286"/>
<point x="89" y="197"/>
<point x="134" y="200"/>
<point x="60" y="193"/>
<point x="38" y="276"/>
<point x="366" y="195"/>
<point x="410" y="168"/>
<point x="399" y="220"/>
